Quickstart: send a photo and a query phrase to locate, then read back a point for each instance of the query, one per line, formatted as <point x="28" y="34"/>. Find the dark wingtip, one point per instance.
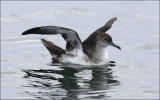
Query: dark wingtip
<point x="35" y="30"/>
<point x="111" y="21"/>
<point x="43" y="40"/>
<point x="115" y="18"/>
<point x="119" y="48"/>
<point x="24" y="33"/>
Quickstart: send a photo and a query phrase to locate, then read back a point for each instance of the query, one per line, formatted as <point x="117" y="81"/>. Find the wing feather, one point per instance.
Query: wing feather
<point x="70" y="36"/>
<point x="90" y="41"/>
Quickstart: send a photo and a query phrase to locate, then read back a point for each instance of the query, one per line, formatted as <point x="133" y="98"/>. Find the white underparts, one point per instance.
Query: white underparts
<point x="82" y="59"/>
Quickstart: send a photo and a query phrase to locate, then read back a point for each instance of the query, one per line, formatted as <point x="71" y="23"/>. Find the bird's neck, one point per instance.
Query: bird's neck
<point x="100" y="55"/>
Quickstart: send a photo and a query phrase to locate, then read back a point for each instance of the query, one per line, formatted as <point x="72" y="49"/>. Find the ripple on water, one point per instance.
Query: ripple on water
<point x="135" y="76"/>
<point x="75" y="82"/>
<point x="147" y="46"/>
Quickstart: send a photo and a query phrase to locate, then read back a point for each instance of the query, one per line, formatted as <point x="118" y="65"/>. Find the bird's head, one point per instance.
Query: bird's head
<point x="104" y="40"/>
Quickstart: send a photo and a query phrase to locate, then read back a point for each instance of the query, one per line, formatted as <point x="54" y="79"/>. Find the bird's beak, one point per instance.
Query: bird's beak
<point x="112" y="44"/>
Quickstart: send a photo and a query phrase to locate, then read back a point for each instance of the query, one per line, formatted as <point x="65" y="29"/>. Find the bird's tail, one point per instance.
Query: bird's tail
<point x="54" y="50"/>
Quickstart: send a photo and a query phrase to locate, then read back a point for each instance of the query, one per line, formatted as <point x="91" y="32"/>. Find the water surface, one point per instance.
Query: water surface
<point x="26" y="68"/>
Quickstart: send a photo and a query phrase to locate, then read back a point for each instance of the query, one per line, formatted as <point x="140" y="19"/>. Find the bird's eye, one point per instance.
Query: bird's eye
<point x="105" y="39"/>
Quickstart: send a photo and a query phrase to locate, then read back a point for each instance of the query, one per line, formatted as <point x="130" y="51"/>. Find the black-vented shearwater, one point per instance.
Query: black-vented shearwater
<point x="91" y="51"/>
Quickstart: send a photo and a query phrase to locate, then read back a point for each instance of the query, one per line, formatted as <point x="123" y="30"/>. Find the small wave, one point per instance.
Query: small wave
<point x="144" y="16"/>
<point x="78" y="11"/>
<point x="147" y="46"/>
<point x="17" y="40"/>
<point x="8" y="19"/>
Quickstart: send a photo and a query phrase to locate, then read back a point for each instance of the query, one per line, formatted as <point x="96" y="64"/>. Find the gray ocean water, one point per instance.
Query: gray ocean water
<point x="26" y="68"/>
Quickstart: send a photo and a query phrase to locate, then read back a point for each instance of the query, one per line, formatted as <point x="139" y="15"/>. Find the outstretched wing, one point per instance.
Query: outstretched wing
<point x="107" y="26"/>
<point x="70" y="36"/>
<point x="90" y="41"/>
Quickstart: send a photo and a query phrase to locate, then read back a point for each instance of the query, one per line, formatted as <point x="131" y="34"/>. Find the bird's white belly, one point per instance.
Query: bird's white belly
<point x="82" y="59"/>
<point x="77" y="60"/>
<point x="103" y="57"/>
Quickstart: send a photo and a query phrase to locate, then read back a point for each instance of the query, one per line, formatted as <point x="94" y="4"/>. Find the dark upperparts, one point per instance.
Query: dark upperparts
<point x="90" y="41"/>
<point x="71" y="37"/>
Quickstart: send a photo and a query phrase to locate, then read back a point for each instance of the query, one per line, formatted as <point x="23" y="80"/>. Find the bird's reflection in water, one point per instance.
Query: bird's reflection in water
<point x="102" y="79"/>
<point x="49" y="85"/>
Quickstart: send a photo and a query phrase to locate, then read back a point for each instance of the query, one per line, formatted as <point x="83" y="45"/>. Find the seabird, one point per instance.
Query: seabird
<point x="91" y="51"/>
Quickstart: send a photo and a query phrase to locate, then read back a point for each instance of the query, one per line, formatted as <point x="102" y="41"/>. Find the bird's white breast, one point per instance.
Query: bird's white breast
<point x="102" y="56"/>
<point x="82" y="59"/>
